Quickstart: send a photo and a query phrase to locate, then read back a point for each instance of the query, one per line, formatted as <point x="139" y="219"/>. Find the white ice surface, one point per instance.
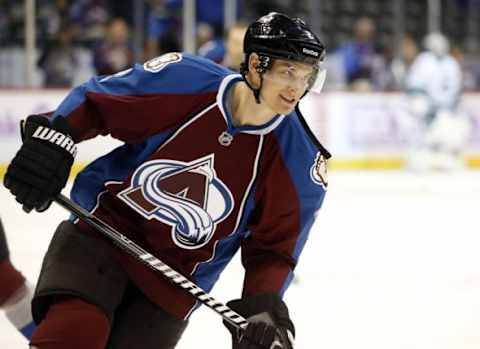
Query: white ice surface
<point x="392" y="262"/>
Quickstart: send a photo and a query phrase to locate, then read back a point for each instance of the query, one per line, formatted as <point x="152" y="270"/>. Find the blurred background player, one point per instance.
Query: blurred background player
<point x="434" y="87"/>
<point x="15" y="292"/>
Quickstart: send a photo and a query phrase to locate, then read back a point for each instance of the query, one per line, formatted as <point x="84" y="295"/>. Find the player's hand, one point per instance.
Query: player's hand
<point x="269" y="324"/>
<point x="41" y="167"/>
<point x="262" y="333"/>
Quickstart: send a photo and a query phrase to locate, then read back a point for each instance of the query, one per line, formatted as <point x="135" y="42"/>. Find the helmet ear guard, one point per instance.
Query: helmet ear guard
<point x="264" y="64"/>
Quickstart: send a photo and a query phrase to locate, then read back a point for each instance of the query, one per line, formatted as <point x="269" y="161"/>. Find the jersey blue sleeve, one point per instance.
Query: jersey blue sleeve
<point x="143" y="100"/>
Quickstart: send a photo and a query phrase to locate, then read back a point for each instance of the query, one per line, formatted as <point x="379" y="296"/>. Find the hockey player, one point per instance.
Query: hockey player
<point x="15" y="291"/>
<point x="212" y="162"/>
<point x="434" y="87"/>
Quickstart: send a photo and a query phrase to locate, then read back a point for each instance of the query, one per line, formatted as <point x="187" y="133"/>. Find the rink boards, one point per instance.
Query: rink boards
<point x="362" y="130"/>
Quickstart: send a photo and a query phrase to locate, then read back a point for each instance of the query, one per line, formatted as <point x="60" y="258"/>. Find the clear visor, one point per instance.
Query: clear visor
<point x="319" y="79"/>
<point x="297" y="75"/>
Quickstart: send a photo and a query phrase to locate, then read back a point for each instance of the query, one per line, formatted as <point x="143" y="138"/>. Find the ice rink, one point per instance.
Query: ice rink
<point x="393" y="262"/>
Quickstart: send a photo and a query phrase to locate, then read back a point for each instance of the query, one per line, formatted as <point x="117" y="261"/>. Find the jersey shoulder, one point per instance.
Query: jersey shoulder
<point x="184" y="72"/>
<point x="170" y="73"/>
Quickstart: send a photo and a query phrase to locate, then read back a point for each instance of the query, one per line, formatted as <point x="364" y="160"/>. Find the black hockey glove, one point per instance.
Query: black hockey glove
<point x="40" y="169"/>
<point x="269" y="325"/>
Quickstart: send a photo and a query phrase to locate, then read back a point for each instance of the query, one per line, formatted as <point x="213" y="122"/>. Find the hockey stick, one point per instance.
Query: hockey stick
<point x="130" y="247"/>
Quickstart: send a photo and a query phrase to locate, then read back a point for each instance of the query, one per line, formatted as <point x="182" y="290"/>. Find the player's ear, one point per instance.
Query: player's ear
<point x="253" y="62"/>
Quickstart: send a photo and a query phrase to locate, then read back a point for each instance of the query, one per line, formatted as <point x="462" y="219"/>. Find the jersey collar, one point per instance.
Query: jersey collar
<point x="225" y="85"/>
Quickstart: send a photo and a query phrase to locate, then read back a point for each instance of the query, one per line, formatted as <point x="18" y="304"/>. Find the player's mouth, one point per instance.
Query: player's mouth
<point x="289" y="101"/>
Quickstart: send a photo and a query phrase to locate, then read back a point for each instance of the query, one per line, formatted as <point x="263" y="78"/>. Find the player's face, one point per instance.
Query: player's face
<point x="284" y="84"/>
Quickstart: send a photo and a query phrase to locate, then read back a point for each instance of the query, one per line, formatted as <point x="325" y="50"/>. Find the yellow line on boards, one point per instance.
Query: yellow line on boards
<point x="367" y="163"/>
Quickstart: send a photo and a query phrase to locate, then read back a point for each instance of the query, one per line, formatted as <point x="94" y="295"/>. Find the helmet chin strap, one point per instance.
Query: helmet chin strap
<point x="256" y="91"/>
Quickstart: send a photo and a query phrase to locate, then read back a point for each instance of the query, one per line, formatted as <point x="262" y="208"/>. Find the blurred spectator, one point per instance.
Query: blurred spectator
<point x="50" y="16"/>
<point x="114" y="53"/>
<point x="205" y="34"/>
<point x="89" y="18"/>
<point x="227" y="51"/>
<point x="165" y="26"/>
<point x="58" y="60"/>
<point x="211" y="12"/>
<point x="401" y="63"/>
<point x="12" y="21"/>
<point x="470" y="69"/>
<point x="364" y="66"/>
<point x="234" y="46"/>
<point x="209" y="46"/>
<point x="163" y="29"/>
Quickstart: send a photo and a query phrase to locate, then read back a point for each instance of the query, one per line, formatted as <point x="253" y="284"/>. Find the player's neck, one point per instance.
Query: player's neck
<point x="245" y="110"/>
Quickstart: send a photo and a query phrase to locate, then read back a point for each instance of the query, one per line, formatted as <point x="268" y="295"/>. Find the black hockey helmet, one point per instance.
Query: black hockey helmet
<point x="277" y="35"/>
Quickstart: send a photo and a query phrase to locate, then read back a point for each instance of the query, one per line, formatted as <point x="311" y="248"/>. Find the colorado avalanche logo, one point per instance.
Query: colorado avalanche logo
<point x="318" y="171"/>
<point x="187" y="196"/>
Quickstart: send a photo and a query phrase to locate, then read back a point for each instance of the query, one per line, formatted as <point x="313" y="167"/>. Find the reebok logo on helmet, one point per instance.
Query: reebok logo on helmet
<point x="310" y="52"/>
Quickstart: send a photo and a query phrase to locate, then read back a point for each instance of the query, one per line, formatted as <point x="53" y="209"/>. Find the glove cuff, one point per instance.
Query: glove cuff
<point x="270" y="303"/>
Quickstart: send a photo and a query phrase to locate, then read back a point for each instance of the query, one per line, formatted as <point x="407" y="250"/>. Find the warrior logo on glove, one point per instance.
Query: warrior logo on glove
<point x="55" y="137"/>
<point x="187" y="196"/>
